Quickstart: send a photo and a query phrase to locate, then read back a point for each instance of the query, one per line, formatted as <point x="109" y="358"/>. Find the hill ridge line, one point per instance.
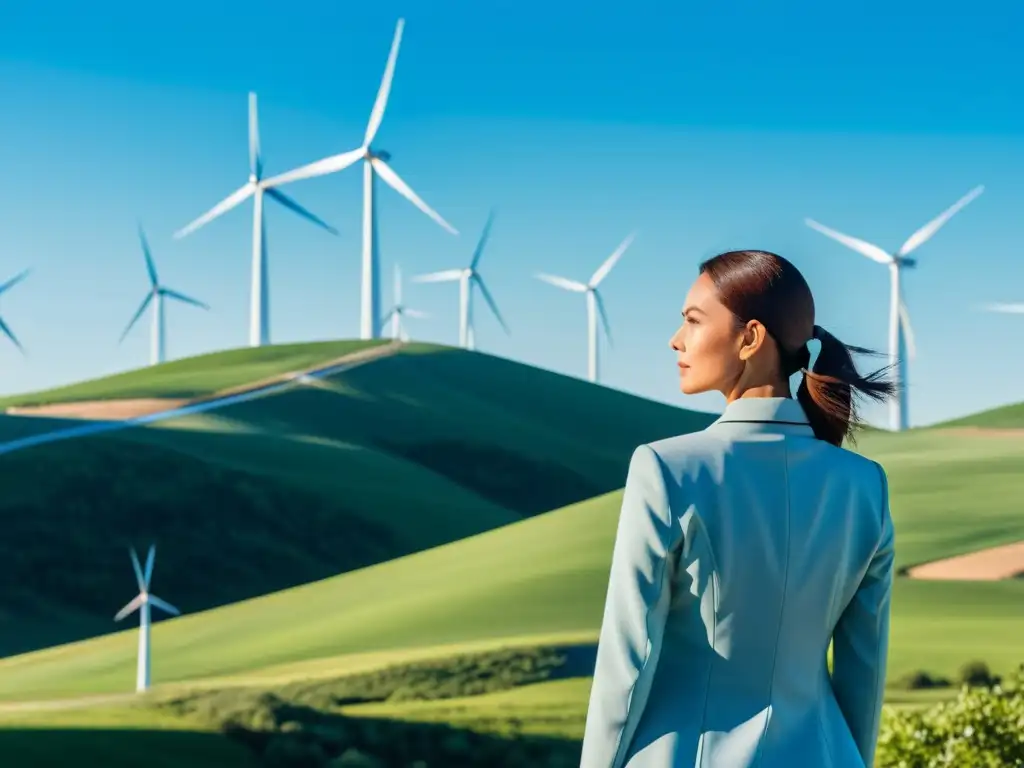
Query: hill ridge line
<point x="201" y="404"/>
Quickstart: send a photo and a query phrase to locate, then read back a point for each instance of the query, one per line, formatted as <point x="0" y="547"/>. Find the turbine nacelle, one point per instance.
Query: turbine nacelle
<point x="905" y="262"/>
<point x="380" y="154"/>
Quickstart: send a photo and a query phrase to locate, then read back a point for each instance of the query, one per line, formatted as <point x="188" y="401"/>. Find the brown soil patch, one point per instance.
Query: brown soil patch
<point x="121" y="410"/>
<point x="100" y="410"/>
<point x="993" y="564"/>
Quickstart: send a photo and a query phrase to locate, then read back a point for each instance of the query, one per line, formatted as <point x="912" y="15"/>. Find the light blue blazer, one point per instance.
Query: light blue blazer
<point x="741" y="552"/>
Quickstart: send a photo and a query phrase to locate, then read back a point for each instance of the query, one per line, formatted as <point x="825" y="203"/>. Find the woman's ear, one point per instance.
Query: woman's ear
<point x="751" y="339"/>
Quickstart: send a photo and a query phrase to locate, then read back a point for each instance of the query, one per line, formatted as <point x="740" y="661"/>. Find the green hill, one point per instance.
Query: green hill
<point x="1004" y="417"/>
<point x="547" y="577"/>
<point x="199" y="375"/>
<point x="423" y="447"/>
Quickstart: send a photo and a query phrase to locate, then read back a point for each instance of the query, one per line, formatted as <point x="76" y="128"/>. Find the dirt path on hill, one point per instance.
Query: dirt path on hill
<point x="1005" y="562"/>
<point x="133" y="408"/>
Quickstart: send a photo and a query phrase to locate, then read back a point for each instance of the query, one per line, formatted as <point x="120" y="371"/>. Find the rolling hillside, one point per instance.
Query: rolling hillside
<point x="546" y="577"/>
<point x="413" y="450"/>
<point x="1005" y="417"/>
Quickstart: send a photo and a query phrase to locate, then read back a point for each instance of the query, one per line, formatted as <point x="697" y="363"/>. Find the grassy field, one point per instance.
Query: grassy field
<point x="1006" y="417"/>
<point x="411" y="451"/>
<point x="420" y="478"/>
<point x="548" y="575"/>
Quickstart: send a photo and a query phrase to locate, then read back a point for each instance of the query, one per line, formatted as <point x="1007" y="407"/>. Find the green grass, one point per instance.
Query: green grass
<point x="548" y="575"/>
<point x="115" y="737"/>
<point x="1004" y="417"/>
<point x="408" y="452"/>
<point x="197" y="376"/>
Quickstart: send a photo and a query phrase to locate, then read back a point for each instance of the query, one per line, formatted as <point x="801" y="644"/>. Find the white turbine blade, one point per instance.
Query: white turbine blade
<point x="293" y="206"/>
<point x="130" y="608"/>
<point x="388" y="315"/>
<point x="439" y="277"/>
<point x="385" y="172"/>
<point x="377" y="113"/>
<point x="604" y="317"/>
<point x="136" y="316"/>
<point x="148" y="571"/>
<point x="138" y="570"/>
<point x="223" y="206"/>
<point x="1010" y="309"/>
<point x="163" y="605"/>
<point x="148" y="256"/>
<point x="485" y="235"/>
<point x="562" y="282"/>
<point x="491" y="303"/>
<point x="255" y="162"/>
<point x="331" y="164"/>
<point x="861" y="246"/>
<point x="908" y="332"/>
<point x="925" y="233"/>
<point x="14" y="280"/>
<point x="420" y="315"/>
<point x="604" y="269"/>
<point x="5" y="329"/>
<point x="182" y="297"/>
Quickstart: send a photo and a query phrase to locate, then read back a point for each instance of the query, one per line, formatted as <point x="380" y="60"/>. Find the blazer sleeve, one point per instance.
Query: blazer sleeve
<point x="860" y="642"/>
<point x="635" y="611"/>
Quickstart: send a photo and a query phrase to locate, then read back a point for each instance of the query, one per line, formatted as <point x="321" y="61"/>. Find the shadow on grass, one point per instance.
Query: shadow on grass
<point x="46" y="747"/>
<point x="304" y="737"/>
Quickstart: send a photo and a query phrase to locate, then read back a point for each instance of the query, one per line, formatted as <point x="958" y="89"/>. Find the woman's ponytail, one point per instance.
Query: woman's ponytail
<point x="830" y="388"/>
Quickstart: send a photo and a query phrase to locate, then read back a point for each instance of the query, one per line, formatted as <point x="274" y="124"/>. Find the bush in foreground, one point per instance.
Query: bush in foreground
<point x="982" y="728"/>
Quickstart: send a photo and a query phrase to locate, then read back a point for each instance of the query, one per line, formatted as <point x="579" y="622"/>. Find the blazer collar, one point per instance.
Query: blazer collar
<point x="765" y="414"/>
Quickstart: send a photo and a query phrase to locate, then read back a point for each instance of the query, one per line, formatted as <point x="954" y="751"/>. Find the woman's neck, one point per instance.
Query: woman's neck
<point x="775" y="389"/>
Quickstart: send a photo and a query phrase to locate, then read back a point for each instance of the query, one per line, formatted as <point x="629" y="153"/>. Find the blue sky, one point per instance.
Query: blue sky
<point x="701" y="127"/>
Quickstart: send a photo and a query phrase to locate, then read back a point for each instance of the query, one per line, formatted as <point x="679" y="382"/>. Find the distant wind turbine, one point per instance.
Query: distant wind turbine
<point x="141" y="603"/>
<point x="4" y="328"/>
<point x="900" y="333"/>
<point x="374" y="165"/>
<point x="399" y="311"/>
<point x="256" y="187"/>
<point x="595" y="304"/>
<point x="469" y="277"/>
<point x="158" y="293"/>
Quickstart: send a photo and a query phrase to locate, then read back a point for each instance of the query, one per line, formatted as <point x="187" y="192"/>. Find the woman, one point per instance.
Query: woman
<point x="743" y="550"/>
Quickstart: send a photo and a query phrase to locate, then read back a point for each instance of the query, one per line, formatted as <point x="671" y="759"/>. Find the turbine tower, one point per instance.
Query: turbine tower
<point x="595" y="304"/>
<point x="141" y="603"/>
<point x="157" y="294"/>
<point x="256" y="187"/>
<point x="4" y="328"/>
<point x="374" y="165"/>
<point x="900" y="333"/>
<point x="469" y="277"/>
<point x="399" y="311"/>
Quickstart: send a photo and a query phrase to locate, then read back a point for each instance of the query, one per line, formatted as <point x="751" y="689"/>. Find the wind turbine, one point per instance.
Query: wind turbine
<point x="4" y="328"/>
<point x="141" y="603"/>
<point x="595" y="304"/>
<point x="256" y="187"/>
<point x="900" y="333"/>
<point x="374" y="165"/>
<point x="398" y="312"/>
<point x="157" y="293"/>
<point x="468" y="277"/>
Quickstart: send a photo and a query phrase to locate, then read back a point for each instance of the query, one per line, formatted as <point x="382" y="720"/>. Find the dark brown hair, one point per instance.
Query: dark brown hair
<point x="763" y="286"/>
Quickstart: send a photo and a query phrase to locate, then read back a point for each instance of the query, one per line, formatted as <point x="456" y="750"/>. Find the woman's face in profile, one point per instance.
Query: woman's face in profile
<point x="707" y="343"/>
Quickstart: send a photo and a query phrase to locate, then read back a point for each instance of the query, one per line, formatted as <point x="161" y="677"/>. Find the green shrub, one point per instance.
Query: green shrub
<point x="976" y="673"/>
<point x="982" y="728"/>
<point x="920" y="680"/>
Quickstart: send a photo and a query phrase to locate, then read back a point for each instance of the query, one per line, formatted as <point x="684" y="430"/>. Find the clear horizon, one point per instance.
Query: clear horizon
<point x="577" y="131"/>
